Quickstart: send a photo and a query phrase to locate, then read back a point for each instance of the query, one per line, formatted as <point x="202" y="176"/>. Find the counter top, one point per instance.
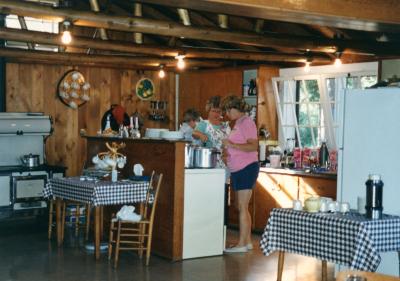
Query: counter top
<point x="325" y="175"/>
<point x="116" y="138"/>
<point x="20" y="168"/>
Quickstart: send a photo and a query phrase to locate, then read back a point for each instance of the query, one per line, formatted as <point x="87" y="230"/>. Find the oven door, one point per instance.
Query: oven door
<point x="28" y="190"/>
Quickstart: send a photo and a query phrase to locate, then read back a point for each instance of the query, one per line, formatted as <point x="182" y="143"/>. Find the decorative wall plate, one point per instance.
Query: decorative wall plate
<point x="73" y="90"/>
<point x="145" y="89"/>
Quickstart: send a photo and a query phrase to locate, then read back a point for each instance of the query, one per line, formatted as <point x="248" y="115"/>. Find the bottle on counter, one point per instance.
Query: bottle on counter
<point x="323" y="155"/>
<point x="374" y="192"/>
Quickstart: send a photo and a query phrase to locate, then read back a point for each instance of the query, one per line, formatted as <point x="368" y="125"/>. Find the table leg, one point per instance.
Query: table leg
<point x="281" y="260"/>
<point x="101" y="222"/>
<point x="324" y="271"/>
<point x="97" y="212"/>
<point x="59" y="222"/>
<point x="398" y="253"/>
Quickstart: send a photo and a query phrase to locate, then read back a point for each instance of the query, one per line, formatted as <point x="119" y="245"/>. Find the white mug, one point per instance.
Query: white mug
<point x="333" y="206"/>
<point x="324" y="206"/>
<point x="344" y="207"/>
<point x="297" y="206"/>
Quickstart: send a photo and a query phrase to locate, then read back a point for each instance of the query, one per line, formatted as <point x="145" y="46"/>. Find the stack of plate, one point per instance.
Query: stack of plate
<point x="171" y="135"/>
<point x="154" y="133"/>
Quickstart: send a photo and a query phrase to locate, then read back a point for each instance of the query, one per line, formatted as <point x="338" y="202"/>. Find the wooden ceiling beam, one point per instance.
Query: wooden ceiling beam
<point x="118" y="46"/>
<point x="79" y="59"/>
<point x="168" y="28"/>
<point x="366" y="15"/>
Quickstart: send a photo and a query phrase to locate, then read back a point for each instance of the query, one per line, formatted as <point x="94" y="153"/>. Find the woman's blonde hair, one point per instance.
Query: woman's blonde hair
<point x="236" y="103"/>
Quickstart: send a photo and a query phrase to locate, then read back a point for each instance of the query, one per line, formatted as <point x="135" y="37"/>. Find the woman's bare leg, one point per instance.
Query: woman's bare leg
<point x="244" y="216"/>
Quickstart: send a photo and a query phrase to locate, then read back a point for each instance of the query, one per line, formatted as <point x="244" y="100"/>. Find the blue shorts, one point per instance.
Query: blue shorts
<point x="245" y="178"/>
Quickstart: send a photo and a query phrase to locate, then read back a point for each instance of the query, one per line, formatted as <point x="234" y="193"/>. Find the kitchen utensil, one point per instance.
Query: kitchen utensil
<point x="361" y="201"/>
<point x="204" y="157"/>
<point x="189" y="155"/>
<point x="30" y="160"/>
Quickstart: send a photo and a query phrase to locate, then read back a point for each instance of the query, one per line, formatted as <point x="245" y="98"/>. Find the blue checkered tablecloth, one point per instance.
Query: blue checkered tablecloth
<point x="347" y="239"/>
<point x="96" y="192"/>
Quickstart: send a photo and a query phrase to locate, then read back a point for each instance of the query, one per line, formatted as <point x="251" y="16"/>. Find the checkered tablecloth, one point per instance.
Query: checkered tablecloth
<point x="348" y="239"/>
<point x="96" y="192"/>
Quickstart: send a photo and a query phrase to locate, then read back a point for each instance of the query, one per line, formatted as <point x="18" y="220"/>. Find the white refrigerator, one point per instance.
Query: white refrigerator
<point x="370" y="144"/>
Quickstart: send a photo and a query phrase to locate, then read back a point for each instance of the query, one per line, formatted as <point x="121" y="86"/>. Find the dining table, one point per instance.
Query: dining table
<point x="97" y="193"/>
<point x="348" y="239"/>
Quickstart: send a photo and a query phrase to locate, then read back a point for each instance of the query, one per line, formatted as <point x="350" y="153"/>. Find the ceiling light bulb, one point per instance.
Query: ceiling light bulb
<point x="307" y="67"/>
<point x="181" y="63"/>
<point x="66" y="37"/>
<point x="338" y="62"/>
<point x="161" y="73"/>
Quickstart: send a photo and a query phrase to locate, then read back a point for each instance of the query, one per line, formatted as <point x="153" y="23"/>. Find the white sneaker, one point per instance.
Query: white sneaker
<point x="236" y="249"/>
<point x="249" y="246"/>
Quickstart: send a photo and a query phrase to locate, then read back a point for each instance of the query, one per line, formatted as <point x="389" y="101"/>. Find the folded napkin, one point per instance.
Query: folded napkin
<point x="127" y="213"/>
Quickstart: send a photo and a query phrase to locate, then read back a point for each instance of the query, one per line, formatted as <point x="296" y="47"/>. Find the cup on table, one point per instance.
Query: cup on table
<point x="297" y="205"/>
<point x="361" y="202"/>
<point x="324" y="206"/>
<point x="333" y="206"/>
<point x="344" y="207"/>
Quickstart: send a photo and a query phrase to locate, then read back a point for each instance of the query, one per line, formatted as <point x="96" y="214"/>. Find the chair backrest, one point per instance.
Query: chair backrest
<point x="152" y="196"/>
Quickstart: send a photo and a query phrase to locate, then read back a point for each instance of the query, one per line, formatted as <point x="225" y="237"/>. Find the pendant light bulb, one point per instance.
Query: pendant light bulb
<point x="181" y="63"/>
<point x="66" y="37"/>
<point x="307" y="67"/>
<point x="338" y="61"/>
<point x="161" y="73"/>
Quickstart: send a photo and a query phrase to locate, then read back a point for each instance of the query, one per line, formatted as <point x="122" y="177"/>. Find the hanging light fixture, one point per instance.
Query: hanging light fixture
<point x="307" y="65"/>
<point x="161" y="73"/>
<point x="181" y="63"/>
<point x="66" y="37"/>
<point x="338" y="61"/>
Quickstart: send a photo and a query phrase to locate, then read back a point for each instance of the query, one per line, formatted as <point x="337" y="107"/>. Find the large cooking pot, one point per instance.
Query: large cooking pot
<point x="204" y="157"/>
<point x="30" y="160"/>
<point x="189" y="157"/>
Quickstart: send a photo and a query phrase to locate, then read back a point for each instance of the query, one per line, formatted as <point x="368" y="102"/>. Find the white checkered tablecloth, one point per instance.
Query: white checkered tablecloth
<point x="348" y="239"/>
<point x="96" y="192"/>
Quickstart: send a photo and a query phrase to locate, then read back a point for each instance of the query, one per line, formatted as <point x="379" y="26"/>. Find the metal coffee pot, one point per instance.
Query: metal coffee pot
<point x="30" y="160"/>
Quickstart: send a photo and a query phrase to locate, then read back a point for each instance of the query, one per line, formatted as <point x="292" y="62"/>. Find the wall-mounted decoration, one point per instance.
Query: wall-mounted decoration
<point x="145" y="89"/>
<point x="73" y="90"/>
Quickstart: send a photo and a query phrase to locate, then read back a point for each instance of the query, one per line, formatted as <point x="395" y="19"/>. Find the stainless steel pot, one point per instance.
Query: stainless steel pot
<point x="204" y="157"/>
<point x="30" y="160"/>
<point x="189" y="155"/>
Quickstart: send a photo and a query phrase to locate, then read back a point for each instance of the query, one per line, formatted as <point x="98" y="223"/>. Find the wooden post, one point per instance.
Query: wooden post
<point x="281" y="260"/>
<point x="324" y="271"/>
<point x="97" y="212"/>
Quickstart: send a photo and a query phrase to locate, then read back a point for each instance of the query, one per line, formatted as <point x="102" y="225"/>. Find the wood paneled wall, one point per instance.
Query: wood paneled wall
<point x="196" y="87"/>
<point x="33" y="88"/>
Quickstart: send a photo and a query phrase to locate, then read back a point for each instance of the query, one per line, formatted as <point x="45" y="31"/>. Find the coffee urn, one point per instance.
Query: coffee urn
<point x="374" y="189"/>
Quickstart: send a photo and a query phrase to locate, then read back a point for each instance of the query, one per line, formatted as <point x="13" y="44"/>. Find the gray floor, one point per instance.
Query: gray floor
<point x="27" y="255"/>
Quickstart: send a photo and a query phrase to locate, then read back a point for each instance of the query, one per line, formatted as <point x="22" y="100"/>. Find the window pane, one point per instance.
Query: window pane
<point x="312" y="90"/>
<point x="368" y="81"/>
<point x="351" y="82"/>
<point x="330" y="85"/>
<point x="305" y="136"/>
<point x="303" y="115"/>
<point x="315" y="114"/>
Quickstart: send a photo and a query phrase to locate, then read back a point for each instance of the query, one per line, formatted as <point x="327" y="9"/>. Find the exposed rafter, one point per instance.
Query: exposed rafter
<point x="366" y="15"/>
<point x="167" y="28"/>
<point x="94" y="5"/>
<point x="138" y="13"/>
<point x="85" y="43"/>
<point x="22" y="22"/>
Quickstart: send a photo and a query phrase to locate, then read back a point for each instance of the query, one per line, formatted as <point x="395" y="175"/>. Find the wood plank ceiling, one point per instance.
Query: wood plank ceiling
<point x="210" y="33"/>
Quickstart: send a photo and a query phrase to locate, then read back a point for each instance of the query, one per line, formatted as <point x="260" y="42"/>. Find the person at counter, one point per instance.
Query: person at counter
<point x="213" y="130"/>
<point x="116" y="116"/>
<point x="242" y="160"/>
<point x="190" y="119"/>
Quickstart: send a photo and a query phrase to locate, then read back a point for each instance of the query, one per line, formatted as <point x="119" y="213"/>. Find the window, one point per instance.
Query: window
<point x="309" y="107"/>
<point x="34" y="24"/>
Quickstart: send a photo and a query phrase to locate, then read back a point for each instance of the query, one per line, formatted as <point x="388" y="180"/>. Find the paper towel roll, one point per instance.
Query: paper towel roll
<point x="262" y="150"/>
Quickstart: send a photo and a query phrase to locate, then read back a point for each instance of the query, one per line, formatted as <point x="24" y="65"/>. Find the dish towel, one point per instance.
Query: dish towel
<point x="127" y="213"/>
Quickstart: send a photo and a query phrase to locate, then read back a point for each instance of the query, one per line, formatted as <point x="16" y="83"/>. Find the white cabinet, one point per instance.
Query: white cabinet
<point x="203" y="221"/>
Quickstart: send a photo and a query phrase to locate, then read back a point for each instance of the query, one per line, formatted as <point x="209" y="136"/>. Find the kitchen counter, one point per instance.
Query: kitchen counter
<point x="21" y="169"/>
<point x="294" y="172"/>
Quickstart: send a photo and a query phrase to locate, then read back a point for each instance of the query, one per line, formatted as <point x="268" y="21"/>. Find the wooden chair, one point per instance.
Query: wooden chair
<point x="129" y="235"/>
<point x="78" y="225"/>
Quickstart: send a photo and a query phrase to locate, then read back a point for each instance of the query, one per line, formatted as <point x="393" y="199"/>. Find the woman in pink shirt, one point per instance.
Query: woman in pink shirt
<point x="242" y="159"/>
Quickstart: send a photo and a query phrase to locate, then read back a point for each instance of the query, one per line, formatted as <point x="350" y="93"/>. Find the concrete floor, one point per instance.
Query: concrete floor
<point x="27" y="255"/>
